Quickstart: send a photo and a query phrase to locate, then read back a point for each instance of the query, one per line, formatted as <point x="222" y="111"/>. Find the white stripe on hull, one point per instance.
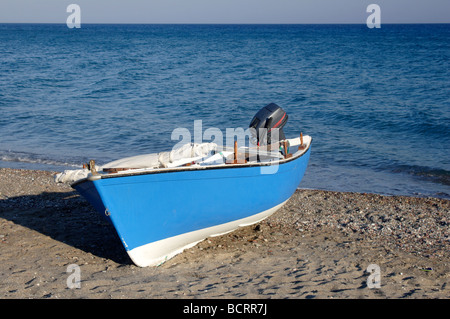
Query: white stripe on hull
<point x="155" y="253"/>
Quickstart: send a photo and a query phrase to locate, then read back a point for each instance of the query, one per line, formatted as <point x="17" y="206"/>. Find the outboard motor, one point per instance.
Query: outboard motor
<point x="268" y="118"/>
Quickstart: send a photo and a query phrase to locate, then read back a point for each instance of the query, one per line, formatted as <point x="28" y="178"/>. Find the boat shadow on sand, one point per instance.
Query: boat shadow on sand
<point x="68" y="218"/>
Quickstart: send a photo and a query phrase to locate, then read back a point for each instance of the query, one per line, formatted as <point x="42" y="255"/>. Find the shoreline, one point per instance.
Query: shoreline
<point x="318" y="245"/>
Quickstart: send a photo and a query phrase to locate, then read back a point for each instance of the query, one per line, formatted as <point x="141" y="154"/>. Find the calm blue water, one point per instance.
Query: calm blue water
<point x="376" y="101"/>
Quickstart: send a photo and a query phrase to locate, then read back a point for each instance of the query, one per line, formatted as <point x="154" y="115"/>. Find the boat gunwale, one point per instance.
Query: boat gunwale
<point x="294" y="156"/>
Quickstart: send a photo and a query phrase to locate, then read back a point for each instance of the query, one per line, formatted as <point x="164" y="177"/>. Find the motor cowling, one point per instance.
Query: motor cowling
<point x="267" y="123"/>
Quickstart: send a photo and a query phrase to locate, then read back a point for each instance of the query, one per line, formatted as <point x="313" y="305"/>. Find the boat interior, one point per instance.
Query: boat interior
<point x="267" y="146"/>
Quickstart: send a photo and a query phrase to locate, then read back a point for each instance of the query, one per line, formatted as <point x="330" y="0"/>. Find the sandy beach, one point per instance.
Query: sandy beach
<point x="319" y="245"/>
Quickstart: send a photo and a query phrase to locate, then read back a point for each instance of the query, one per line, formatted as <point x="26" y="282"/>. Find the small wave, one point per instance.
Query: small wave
<point x="30" y="158"/>
<point x="436" y="175"/>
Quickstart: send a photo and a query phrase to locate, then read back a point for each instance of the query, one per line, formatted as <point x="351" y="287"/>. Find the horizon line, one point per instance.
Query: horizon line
<point x="229" y="23"/>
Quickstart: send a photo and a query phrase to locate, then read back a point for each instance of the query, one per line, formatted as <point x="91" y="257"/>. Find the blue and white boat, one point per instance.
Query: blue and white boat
<point x="158" y="210"/>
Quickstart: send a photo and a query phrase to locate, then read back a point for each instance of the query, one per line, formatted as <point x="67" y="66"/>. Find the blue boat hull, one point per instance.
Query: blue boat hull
<point x="158" y="214"/>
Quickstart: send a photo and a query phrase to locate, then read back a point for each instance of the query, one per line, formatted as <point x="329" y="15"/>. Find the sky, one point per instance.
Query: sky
<point x="225" y="11"/>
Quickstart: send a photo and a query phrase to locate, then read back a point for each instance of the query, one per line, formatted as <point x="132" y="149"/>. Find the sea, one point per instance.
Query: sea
<point x="375" y="101"/>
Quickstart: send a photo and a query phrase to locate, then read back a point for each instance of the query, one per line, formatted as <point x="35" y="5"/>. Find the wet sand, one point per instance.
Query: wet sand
<point x="319" y="245"/>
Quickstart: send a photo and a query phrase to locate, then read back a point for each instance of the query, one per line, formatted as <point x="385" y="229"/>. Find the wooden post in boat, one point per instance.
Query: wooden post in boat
<point x="236" y="160"/>
<point x="301" y="146"/>
<point x="91" y="167"/>
<point x="286" y="154"/>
